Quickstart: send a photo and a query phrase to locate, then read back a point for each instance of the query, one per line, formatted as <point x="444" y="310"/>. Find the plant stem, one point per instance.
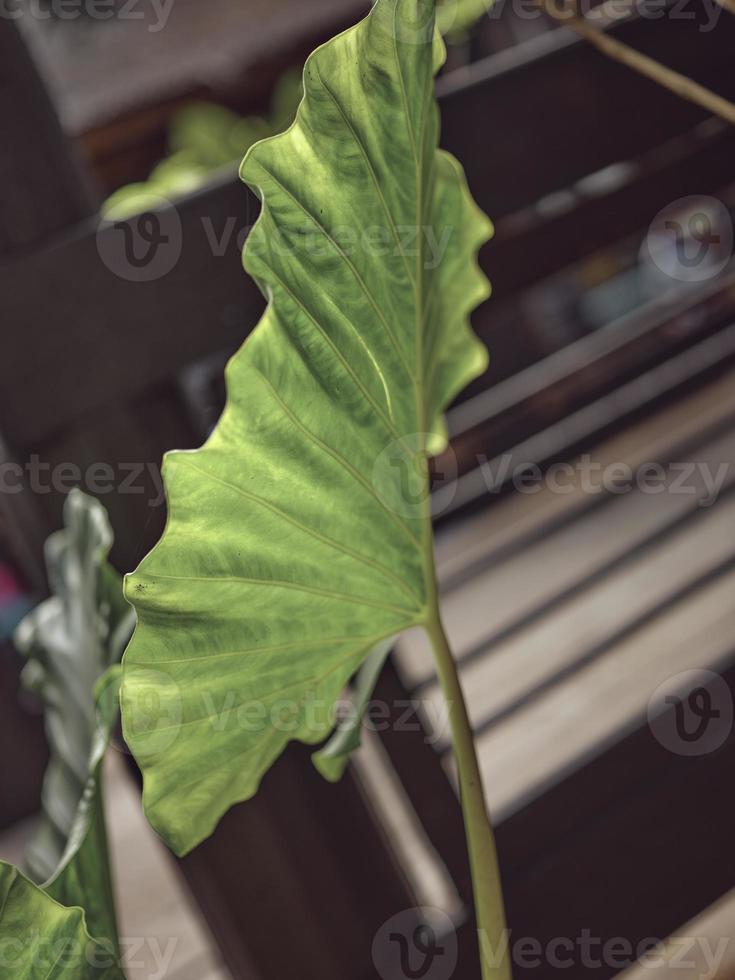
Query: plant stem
<point x="489" y="911"/>
<point x="674" y="81"/>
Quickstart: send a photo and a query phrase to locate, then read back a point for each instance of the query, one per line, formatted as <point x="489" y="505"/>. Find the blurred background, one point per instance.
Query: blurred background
<point x="584" y="512"/>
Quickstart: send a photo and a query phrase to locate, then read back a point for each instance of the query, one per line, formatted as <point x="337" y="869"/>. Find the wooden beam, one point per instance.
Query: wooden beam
<point x="151" y="330"/>
<point x="44" y="189"/>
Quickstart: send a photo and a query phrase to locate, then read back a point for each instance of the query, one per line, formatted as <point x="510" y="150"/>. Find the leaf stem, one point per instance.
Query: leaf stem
<point x="674" y="81"/>
<point x="103" y="854"/>
<point x="489" y="910"/>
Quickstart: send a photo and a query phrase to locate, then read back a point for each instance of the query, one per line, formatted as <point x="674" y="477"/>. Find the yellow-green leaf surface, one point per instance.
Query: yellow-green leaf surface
<point x="42" y="940"/>
<point x="299" y="537"/>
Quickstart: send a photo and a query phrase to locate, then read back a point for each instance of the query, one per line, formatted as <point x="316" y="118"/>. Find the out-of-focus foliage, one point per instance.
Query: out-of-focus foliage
<point x="74" y="641"/>
<point x="204" y="137"/>
<point x="456" y="18"/>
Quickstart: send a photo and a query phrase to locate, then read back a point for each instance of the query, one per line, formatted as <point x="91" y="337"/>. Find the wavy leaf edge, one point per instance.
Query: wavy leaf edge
<point x="183" y="841"/>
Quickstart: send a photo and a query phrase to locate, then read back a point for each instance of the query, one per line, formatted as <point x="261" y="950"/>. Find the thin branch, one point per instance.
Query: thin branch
<point x="675" y="82"/>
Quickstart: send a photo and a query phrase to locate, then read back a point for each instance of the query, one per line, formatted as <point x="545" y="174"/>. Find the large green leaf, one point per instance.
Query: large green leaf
<point x="42" y="940"/>
<point x="73" y="642"/>
<point x="299" y="537"/>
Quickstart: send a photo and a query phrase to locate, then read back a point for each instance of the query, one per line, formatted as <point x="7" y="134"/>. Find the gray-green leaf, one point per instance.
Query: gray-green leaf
<point x="73" y="642"/>
<point x="331" y="760"/>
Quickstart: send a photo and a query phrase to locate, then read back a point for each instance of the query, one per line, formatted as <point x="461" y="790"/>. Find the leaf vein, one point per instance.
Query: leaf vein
<point x="371" y="170"/>
<point x="350" y="265"/>
<point x="355" y="473"/>
<point x="317" y="535"/>
<point x="345" y="363"/>
<point x="282" y="584"/>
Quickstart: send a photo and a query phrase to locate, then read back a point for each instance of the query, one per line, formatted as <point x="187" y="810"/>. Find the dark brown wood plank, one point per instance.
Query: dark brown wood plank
<point x="301" y="873"/>
<point x="22" y="742"/>
<point x="53" y="336"/>
<point x="423" y="777"/>
<point x="150" y="330"/>
<point x="541" y="116"/>
<point x="44" y="190"/>
<point x="525" y="251"/>
<point x="634" y="844"/>
<point x="116" y="456"/>
<point x="159" y="52"/>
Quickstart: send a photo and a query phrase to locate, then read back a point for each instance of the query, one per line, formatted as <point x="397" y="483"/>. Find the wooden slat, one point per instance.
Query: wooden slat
<point x="495" y="568"/>
<point x="537" y="118"/>
<point x="129" y="440"/>
<point x="300" y="871"/>
<point x="576" y="801"/>
<point x="148" y="331"/>
<point x="137" y="322"/>
<point x="148" y="60"/>
<point x="158" y="920"/>
<point x="633" y="843"/>
<point x="530" y="246"/>
<point x="688" y="954"/>
<point x="663" y="435"/>
<point x="44" y="189"/>
<point x="539" y="744"/>
<point x="592" y="624"/>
